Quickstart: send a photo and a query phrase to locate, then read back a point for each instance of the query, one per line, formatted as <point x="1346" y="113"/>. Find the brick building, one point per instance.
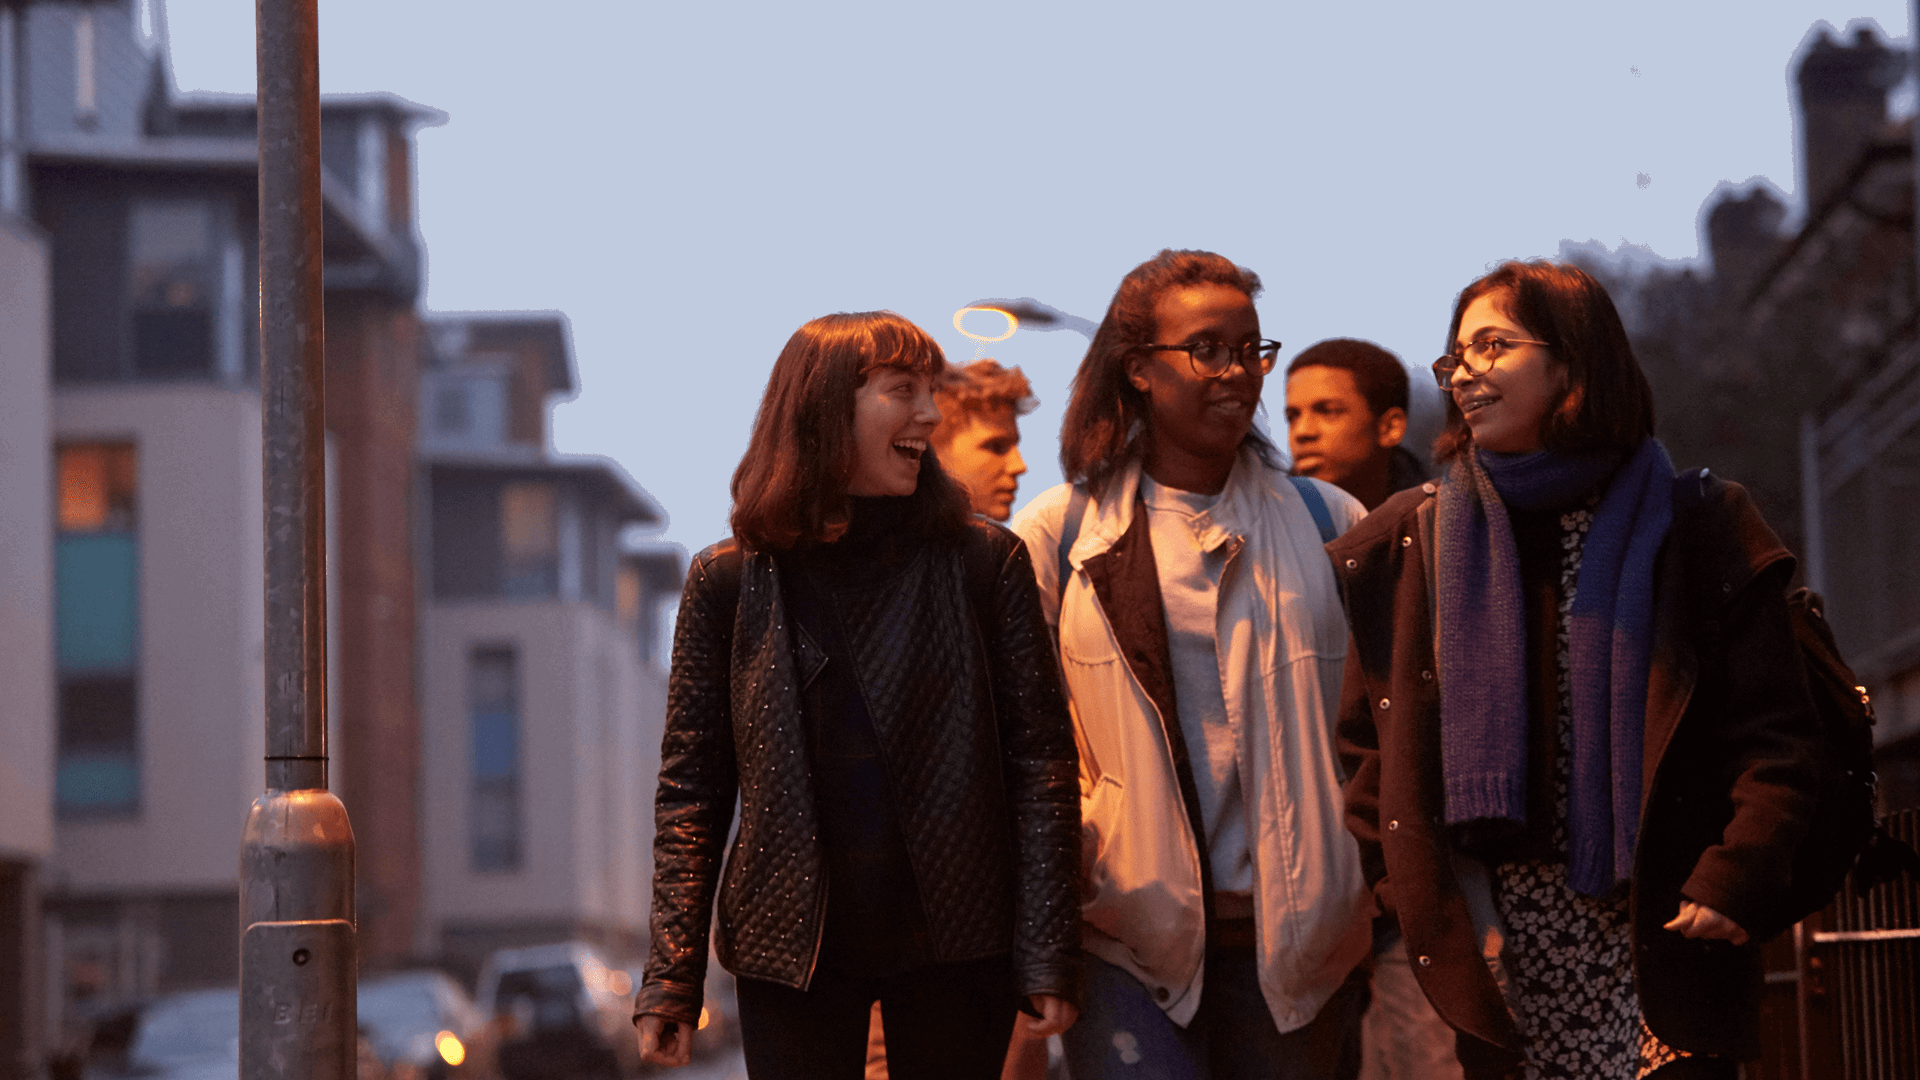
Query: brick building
<point x="1790" y="362"/>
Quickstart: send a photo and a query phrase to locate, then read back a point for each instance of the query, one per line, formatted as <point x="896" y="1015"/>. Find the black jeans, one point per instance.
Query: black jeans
<point x="945" y="1022"/>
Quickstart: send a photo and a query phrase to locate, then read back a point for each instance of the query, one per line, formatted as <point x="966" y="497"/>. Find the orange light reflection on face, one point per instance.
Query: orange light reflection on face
<point x="451" y="1051"/>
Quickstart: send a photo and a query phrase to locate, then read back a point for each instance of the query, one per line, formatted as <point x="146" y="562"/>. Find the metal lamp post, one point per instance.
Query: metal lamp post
<point x="297" y="950"/>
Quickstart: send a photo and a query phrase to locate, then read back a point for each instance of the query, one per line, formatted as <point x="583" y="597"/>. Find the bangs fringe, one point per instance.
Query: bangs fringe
<point x="900" y="345"/>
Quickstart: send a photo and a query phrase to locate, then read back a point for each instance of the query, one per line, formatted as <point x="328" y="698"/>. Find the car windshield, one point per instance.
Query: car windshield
<point x="189" y="1027"/>
<point x="551" y="995"/>
<point x="394" y="1011"/>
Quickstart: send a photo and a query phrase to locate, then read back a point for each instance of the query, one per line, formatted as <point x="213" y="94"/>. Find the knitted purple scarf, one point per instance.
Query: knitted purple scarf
<point x="1483" y="678"/>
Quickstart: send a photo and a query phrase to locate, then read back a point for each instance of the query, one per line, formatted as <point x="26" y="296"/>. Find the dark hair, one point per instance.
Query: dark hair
<point x="1608" y="405"/>
<point x="1378" y="374"/>
<point x="981" y="386"/>
<point x="1105" y="412"/>
<point x="791" y="486"/>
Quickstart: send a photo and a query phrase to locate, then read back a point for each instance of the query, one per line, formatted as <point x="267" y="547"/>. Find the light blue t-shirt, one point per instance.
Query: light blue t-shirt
<point x="1190" y="592"/>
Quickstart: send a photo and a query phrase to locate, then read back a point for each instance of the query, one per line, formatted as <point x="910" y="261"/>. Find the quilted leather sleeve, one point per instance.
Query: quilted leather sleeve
<point x="698" y="779"/>
<point x="1042" y="777"/>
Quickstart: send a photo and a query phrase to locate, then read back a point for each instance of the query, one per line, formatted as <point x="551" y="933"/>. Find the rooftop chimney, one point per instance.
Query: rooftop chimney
<point x="1742" y="230"/>
<point x="1843" y="105"/>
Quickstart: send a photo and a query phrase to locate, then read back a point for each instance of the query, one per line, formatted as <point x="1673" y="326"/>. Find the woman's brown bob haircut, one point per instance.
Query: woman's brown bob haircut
<point x="1106" y="415"/>
<point x="791" y="487"/>
<point x="1608" y="407"/>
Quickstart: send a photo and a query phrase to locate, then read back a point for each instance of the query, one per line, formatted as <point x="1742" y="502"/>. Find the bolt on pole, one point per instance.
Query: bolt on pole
<point x="298" y="960"/>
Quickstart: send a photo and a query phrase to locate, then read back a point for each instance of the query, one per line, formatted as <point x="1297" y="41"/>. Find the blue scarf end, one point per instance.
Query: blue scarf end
<point x="1595" y="867"/>
<point x="1479" y="796"/>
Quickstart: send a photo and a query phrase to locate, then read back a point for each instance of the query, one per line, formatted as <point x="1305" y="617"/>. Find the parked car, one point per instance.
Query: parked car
<point x="188" y="1036"/>
<point x="403" y="1019"/>
<point x="424" y="1027"/>
<point x="561" y="1014"/>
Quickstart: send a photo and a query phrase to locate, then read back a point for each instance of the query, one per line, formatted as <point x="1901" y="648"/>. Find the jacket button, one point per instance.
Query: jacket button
<point x="1426" y="961"/>
<point x="1406" y="541"/>
<point x="1160" y="993"/>
<point x="1353" y="564"/>
<point x="1392" y="825"/>
<point x="1386" y="703"/>
<point x="1426" y="676"/>
<point x="1428" y="487"/>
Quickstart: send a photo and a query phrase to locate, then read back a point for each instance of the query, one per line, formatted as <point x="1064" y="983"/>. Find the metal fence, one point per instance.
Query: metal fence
<point x="1859" y="985"/>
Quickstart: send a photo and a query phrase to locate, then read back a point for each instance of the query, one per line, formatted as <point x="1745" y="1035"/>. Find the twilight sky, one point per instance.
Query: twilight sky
<point x="690" y="182"/>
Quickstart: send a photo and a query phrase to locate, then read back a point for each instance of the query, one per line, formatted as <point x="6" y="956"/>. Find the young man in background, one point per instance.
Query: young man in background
<point x="978" y="440"/>
<point x="1346" y="414"/>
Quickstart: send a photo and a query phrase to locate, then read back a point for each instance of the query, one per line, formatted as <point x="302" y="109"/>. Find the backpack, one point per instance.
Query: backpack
<point x="1845" y="835"/>
<point x="1844" y="819"/>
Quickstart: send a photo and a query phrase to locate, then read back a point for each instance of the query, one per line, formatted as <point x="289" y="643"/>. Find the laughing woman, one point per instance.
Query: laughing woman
<point x="1578" y="735"/>
<point x="865" y="667"/>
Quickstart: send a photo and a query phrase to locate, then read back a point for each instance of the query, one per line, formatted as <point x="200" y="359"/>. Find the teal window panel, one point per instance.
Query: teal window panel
<point x="96" y="585"/>
<point x="97" y="782"/>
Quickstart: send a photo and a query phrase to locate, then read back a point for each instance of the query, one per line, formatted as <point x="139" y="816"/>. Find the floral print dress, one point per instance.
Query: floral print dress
<point x="1570" y="956"/>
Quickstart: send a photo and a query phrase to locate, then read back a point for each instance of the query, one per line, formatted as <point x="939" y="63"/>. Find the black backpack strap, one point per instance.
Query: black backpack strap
<point x="1317" y="506"/>
<point x="1689" y="500"/>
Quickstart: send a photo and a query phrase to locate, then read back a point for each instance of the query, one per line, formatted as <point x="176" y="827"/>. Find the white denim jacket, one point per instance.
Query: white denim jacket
<point x="1282" y="642"/>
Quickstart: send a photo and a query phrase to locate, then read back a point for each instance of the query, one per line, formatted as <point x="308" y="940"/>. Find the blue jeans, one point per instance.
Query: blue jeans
<point x="1123" y="1034"/>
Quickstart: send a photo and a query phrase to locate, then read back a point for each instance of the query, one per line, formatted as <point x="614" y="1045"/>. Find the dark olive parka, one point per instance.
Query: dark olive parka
<point x="1728" y="771"/>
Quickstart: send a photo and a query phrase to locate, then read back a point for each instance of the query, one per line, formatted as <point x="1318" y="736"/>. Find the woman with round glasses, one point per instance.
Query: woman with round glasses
<point x="1201" y="641"/>
<point x="1576" y="729"/>
<point x="865" y="669"/>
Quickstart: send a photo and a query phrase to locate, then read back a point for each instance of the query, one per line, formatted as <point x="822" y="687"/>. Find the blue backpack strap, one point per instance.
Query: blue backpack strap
<point x="1069" y="532"/>
<point x="1317" y="506"/>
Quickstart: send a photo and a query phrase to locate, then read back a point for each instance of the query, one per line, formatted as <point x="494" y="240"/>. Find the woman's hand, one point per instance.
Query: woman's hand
<point x="1056" y="1015"/>
<point x="1701" y="921"/>
<point x="664" y="1042"/>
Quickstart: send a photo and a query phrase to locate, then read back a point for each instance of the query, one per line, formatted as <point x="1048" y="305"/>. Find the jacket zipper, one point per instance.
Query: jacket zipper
<point x="819" y="931"/>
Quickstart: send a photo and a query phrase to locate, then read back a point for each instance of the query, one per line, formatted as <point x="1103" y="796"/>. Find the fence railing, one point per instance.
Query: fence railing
<point x="1859" y="979"/>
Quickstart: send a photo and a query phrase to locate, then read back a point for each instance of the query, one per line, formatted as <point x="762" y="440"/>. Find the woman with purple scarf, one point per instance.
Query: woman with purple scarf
<point x="1578" y="737"/>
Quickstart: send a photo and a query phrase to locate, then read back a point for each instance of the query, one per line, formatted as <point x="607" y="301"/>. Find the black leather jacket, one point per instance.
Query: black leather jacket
<point x="983" y="776"/>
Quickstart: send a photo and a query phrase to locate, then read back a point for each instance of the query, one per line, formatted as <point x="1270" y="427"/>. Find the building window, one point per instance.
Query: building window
<point x="466" y="408"/>
<point x="493" y="689"/>
<point x="183" y="283"/>
<point x="529" y="540"/>
<point x="451" y="416"/>
<point x="85" y="97"/>
<point x="96" y="629"/>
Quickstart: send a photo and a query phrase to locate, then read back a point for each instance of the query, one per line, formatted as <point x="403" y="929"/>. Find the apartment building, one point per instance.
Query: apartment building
<point x="543" y="686"/>
<point x="26" y="637"/>
<point x="145" y="202"/>
<point x="496" y="682"/>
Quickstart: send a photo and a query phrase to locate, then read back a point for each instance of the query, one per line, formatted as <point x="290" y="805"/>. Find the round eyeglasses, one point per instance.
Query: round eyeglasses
<point x="1212" y="359"/>
<point x="1477" y="356"/>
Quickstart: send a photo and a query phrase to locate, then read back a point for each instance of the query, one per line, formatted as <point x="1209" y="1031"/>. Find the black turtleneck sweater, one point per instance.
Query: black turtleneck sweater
<point x="875" y="925"/>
